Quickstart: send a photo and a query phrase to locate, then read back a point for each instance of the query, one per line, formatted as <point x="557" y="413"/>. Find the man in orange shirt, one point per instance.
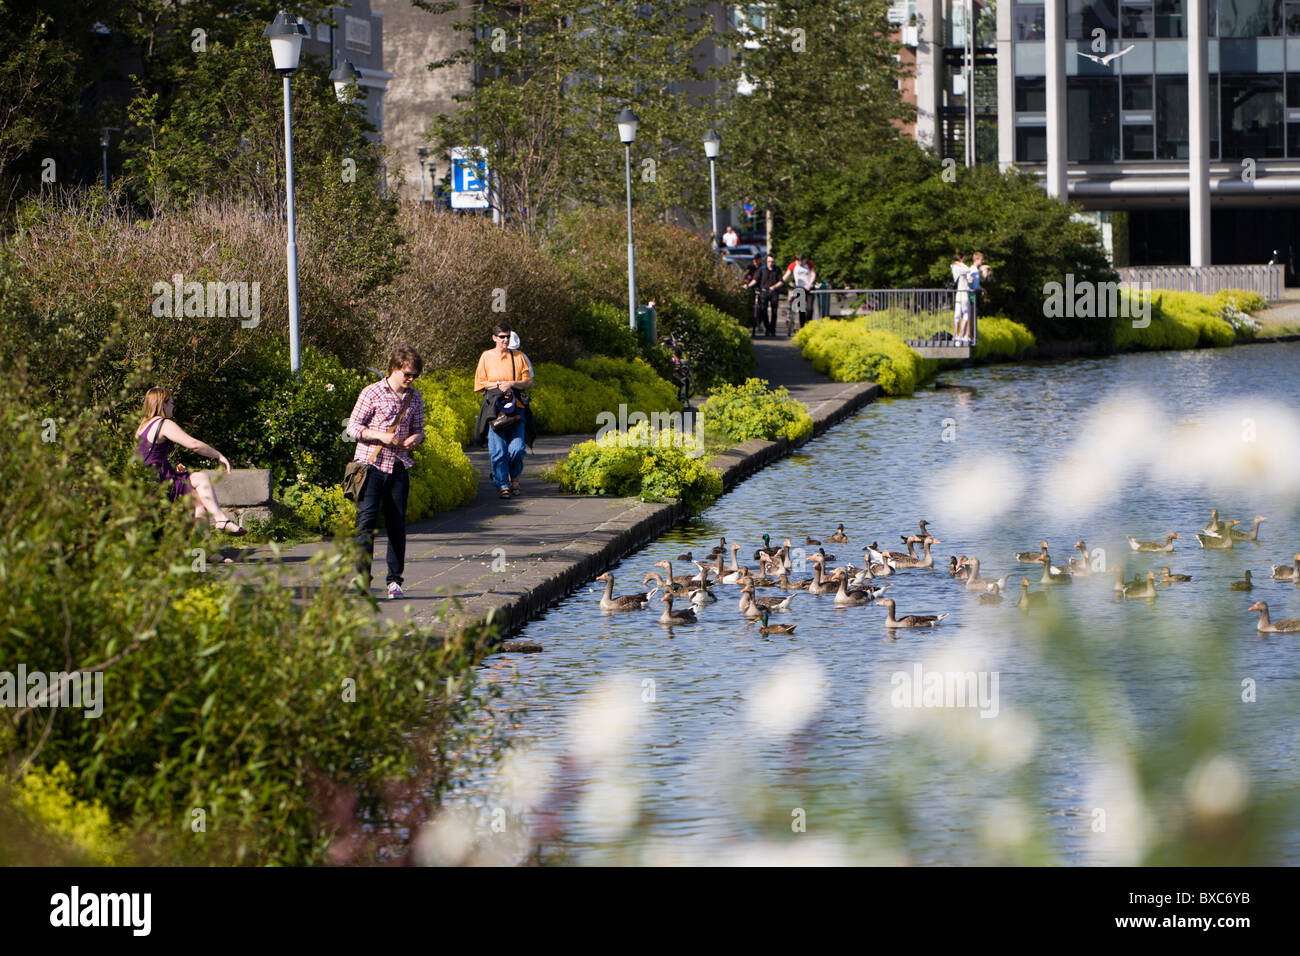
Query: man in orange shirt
<point x="504" y="377"/>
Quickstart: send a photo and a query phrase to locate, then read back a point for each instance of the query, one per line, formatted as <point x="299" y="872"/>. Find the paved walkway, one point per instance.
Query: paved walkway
<point x="513" y="558"/>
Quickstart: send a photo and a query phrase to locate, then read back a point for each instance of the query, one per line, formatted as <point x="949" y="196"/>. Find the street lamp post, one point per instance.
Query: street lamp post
<point x="105" y="140"/>
<point x="423" y="153"/>
<point x="627" y="133"/>
<point x="712" y="143"/>
<point x="345" y="78"/>
<point x="285" y="34"/>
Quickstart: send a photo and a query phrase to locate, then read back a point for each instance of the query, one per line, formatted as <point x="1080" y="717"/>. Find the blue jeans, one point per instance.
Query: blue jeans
<point x="506" y="453"/>
<point x="389" y="493"/>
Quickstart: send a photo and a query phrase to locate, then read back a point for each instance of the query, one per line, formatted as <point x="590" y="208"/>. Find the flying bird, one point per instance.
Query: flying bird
<point x="1105" y="60"/>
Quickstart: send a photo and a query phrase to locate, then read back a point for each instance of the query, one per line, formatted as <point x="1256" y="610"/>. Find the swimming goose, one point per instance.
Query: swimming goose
<point x="1216" y="527"/>
<point x="1215" y="542"/>
<point x="721" y="548"/>
<point x="1081" y="566"/>
<point x="670" y="616"/>
<point x="799" y="584"/>
<point x="911" y="620"/>
<point x="976" y="583"/>
<point x="828" y="557"/>
<point x="769" y="603"/>
<point x="658" y="579"/>
<point x="1166" y="578"/>
<point x="1282" y="573"/>
<point x="1137" y="545"/>
<point x="839" y="537"/>
<point x="1144" y="590"/>
<point x="1033" y="557"/>
<point x="766" y="628"/>
<point x="1120" y="583"/>
<point x="698" y="596"/>
<point x="1252" y="535"/>
<point x="1030" y="599"/>
<point x="991" y="597"/>
<point x="925" y="562"/>
<point x="1245" y="585"/>
<point x="670" y="578"/>
<point x="624" y="602"/>
<point x="1053" y="575"/>
<point x="820" y="583"/>
<point x="1289" y="626"/>
<point x="846" y="598"/>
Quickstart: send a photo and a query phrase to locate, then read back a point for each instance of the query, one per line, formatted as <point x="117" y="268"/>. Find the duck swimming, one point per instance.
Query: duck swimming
<point x="766" y="628"/>
<point x="1245" y="585"/>
<point x="1033" y="557"/>
<point x="624" y="602"/>
<point x="1168" y="546"/>
<point x="911" y="620"/>
<point x="1289" y="626"/>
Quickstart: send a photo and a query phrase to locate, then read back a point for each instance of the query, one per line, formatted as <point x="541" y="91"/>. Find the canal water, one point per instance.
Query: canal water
<point x="1102" y="731"/>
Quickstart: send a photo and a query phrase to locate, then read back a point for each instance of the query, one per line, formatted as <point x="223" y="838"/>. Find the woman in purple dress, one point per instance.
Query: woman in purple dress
<point x="157" y="436"/>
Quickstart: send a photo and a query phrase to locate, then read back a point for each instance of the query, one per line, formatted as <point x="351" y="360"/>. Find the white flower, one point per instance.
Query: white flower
<point x="329" y="386"/>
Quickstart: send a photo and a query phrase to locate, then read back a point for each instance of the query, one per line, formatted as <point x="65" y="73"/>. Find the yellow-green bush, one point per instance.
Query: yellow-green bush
<point x="752" y="410"/>
<point x="322" y="510"/>
<point x="643" y="462"/>
<point x="1243" y="299"/>
<point x="567" y="402"/>
<point x="643" y="390"/>
<point x="46" y="824"/>
<point x="454" y="388"/>
<point x="847" y="351"/>
<point x="1000" y="337"/>
<point x="443" y="477"/>
<point x="1179" y="320"/>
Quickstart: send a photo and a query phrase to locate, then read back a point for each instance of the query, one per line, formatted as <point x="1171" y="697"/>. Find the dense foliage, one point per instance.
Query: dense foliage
<point x="1001" y="338"/>
<point x="645" y="462"/>
<point x="848" y="351"/>
<point x="753" y="410"/>
<point x="285" y="720"/>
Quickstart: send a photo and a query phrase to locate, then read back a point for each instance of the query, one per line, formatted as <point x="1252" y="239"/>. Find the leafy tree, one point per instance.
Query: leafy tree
<point x="551" y="77"/>
<point x="892" y="219"/>
<point x="821" y="78"/>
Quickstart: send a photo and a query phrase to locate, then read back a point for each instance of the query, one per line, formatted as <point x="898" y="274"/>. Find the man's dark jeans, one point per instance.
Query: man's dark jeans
<point x="388" y="492"/>
<point x="771" y="304"/>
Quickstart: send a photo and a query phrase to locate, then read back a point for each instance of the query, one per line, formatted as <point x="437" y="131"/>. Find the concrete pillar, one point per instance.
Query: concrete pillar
<point x="929" y="74"/>
<point x="1198" y="132"/>
<point x="1057" y="142"/>
<point x="1006" y="89"/>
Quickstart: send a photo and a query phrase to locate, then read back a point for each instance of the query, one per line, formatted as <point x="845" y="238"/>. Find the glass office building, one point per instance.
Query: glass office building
<point x="1127" y="119"/>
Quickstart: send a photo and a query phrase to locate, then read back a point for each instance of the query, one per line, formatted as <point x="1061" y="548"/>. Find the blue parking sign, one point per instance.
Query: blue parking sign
<point x="469" y="177"/>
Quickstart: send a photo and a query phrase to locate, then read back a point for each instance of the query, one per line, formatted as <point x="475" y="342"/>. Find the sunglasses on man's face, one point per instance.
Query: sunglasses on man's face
<point x="501" y="336"/>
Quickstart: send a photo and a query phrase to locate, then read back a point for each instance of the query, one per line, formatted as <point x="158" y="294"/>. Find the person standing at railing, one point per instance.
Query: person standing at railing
<point x="976" y="272"/>
<point x="802" y="273"/>
<point x="960" y="283"/>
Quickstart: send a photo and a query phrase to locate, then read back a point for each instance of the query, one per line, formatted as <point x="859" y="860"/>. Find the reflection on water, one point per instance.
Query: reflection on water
<point x="713" y="743"/>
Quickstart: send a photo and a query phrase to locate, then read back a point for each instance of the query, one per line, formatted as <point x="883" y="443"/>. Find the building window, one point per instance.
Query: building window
<point x="1169" y="18"/>
<point x="1031" y="144"/>
<point x="1291" y="19"/>
<point x="1137" y="20"/>
<point x="1029" y="22"/>
<point x="1251" y="118"/>
<point x="1084" y="16"/>
<point x="1139" y="141"/>
<point x="1137" y="93"/>
<point x="1250" y="18"/>
<point x="1031" y="94"/>
<point x="1093" y="108"/>
<point x="356" y="34"/>
<point x="1171" y="117"/>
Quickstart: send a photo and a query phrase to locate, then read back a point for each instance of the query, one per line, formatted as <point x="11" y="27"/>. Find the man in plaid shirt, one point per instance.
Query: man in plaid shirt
<point x="386" y="444"/>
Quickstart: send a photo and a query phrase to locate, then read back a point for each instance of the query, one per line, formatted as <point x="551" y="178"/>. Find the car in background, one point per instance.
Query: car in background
<point x="742" y="254"/>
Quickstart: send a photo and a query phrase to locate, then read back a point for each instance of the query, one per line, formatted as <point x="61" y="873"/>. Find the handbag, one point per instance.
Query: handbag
<point x="354" y="475"/>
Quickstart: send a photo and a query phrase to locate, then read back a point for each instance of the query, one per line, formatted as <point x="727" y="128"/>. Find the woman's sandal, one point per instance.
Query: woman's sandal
<point x="505" y="493"/>
<point x="514" y="488"/>
<point x="228" y="525"/>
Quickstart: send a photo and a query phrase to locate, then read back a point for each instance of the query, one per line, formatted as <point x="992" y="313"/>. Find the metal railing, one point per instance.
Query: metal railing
<point x="917" y="316"/>
<point x="1268" y="281"/>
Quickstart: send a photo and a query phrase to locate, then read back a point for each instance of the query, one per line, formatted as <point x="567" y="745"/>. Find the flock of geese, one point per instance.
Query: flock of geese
<point x="851" y="586"/>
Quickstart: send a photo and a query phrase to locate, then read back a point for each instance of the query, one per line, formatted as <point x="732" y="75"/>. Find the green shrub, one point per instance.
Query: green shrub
<point x="717" y="346"/>
<point x="999" y="337"/>
<point x="45" y="824"/>
<point x="1179" y="320"/>
<point x="641" y="462"/>
<point x="454" y="389"/>
<point x="1243" y="299"/>
<point x="321" y="510"/>
<point x="602" y="328"/>
<point x="567" y="402"/>
<point x="752" y="410"/>
<point x="847" y="351"/>
<point x="643" y="390"/>
<point x="443" y="477"/>
<point x="229" y="694"/>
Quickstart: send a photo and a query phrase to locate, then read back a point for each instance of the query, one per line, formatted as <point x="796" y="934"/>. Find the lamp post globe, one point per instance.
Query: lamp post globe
<point x="345" y="77"/>
<point x="713" y="143"/>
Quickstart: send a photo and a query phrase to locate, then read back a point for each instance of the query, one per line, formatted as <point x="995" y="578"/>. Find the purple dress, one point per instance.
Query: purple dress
<point x="156" y="454"/>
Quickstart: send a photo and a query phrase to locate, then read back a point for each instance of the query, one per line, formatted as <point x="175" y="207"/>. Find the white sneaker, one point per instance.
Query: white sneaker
<point x="395" y="591"/>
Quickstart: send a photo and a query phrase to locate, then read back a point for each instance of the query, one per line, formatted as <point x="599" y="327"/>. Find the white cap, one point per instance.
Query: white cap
<point x="514" y="340"/>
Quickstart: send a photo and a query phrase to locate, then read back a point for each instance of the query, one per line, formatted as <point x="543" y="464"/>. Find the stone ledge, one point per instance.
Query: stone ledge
<point x="242" y="488"/>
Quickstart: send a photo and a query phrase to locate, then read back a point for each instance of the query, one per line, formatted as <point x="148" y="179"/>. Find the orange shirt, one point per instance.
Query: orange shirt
<point x="492" y="368"/>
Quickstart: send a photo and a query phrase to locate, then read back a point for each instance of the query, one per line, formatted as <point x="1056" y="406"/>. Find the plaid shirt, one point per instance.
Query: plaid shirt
<point x="376" y="407"/>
